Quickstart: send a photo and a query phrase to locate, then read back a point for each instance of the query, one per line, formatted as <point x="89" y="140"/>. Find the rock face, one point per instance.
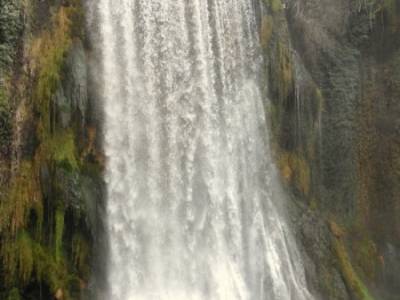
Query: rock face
<point x="50" y="163"/>
<point x="333" y="69"/>
<point x="11" y="27"/>
<point x="71" y="99"/>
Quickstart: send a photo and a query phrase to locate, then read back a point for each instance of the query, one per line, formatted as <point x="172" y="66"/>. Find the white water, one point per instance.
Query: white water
<point x="191" y="209"/>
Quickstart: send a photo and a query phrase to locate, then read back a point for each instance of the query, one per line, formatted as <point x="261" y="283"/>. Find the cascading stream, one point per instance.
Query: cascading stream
<point x="191" y="205"/>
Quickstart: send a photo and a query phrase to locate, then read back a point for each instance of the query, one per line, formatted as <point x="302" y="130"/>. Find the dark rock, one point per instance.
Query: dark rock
<point x="71" y="98"/>
<point x="92" y="195"/>
<point x="45" y="181"/>
<point x="390" y="274"/>
<point x="29" y="140"/>
<point x="314" y="238"/>
<point x="63" y="109"/>
<point x="68" y="188"/>
<point x="75" y="84"/>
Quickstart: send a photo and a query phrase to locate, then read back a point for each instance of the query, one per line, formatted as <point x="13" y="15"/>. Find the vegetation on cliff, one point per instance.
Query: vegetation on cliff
<point x="332" y="70"/>
<point x="45" y="233"/>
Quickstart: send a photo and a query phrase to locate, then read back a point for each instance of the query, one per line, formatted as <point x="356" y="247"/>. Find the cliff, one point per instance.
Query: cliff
<point x="333" y="72"/>
<point x="51" y="187"/>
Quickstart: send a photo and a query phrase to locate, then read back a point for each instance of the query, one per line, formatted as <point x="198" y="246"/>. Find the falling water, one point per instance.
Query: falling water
<point x="191" y="209"/>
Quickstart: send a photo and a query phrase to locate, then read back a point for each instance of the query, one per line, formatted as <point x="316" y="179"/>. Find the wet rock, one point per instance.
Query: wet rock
<point x="71" y="98"/>
<point x="390" y="274"/>
<point x="349" y="53"/>
<point x="315" y="240"/>
<point x="68" y="188"/>
<point x="63" y="108"/>
<point x="29" y="140"/>
<point x="75" y="84"/>
<point x="92" y="195"/>
<point x="45" y="180"/>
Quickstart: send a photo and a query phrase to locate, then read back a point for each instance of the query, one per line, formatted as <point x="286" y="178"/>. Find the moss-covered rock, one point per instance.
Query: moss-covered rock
<point x="46" y="236"/>
<point x="334" y="86"/>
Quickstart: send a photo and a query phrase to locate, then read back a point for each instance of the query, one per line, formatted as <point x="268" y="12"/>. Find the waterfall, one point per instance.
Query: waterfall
<point x="191" y="195"/>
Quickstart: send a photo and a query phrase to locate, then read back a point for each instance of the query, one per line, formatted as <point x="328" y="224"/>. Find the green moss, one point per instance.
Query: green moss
<point x="41" y="259"/>
<point x="25" y="257"/>
<point x="14" y="295"/>
<point x="44" y="264"/>
<point x="49" y="270"/>
<point x="17" y="258"/>
<point x="365" y="253"/>
<point x="33" y="249"/>
<point x="9" y="261"/>
<point x="24" y="194"/>
<point x="276" y="5"/>
<point x="352" y="280"/>
<point x="80" y="253"/>
<point x="366" y="256"/>
<point x="63" y="149"/>
<point x="59" y="231"/>
<point x="48" y="52"/>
